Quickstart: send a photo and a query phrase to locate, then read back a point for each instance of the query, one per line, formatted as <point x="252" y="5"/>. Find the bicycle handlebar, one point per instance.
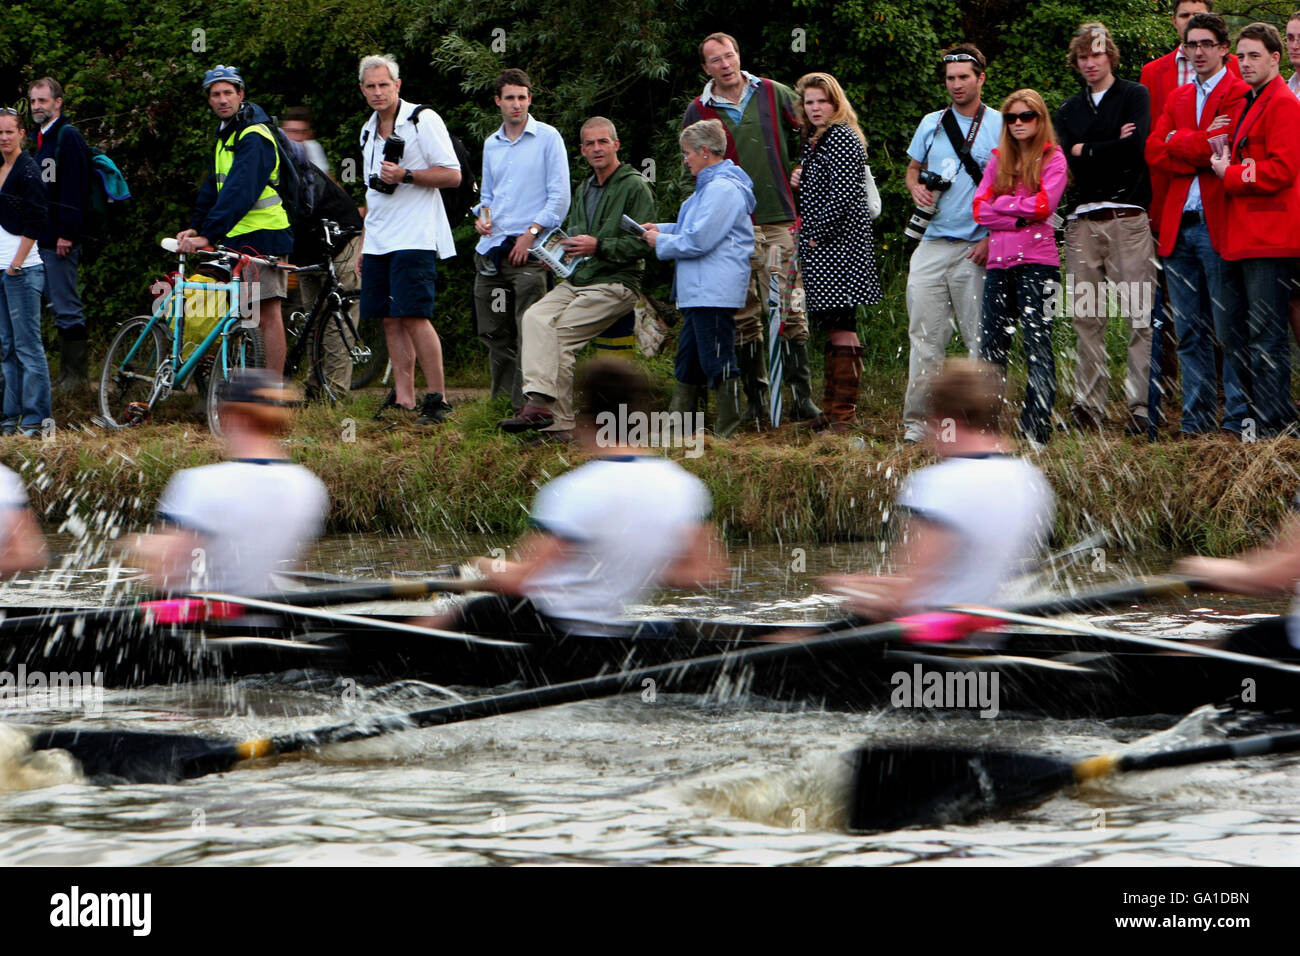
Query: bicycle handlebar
<point x="222" y="252"/>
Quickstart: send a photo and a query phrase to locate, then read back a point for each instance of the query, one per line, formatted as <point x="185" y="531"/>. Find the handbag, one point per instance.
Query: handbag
<point x="874" y="204"/>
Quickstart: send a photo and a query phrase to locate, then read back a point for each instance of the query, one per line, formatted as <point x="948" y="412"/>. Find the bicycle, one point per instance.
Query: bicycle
<point x="330" y="313"/>
<point x="146" y="360"/>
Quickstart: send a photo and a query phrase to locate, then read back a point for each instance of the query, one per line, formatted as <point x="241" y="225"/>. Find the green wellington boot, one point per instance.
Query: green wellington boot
<point x="727" y="420"/>
<point x="752" y="360"/>
<point x="798" y="374"/>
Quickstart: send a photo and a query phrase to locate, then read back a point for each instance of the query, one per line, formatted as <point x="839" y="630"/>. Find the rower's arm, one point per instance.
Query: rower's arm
<point x="917" y="560"/>
<point x="24" y="546"/>
<point x="168" y="557"/>
<point x="704" y="561"/>
<point x="1262" y="573"/>
<point x="535" y="551"/>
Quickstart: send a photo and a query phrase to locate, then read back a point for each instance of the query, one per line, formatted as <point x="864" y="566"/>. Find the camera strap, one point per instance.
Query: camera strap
<point x="962" y="149"/>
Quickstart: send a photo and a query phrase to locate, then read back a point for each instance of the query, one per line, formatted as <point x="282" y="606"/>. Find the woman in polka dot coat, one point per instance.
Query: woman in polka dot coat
<point x="836" y="244"/>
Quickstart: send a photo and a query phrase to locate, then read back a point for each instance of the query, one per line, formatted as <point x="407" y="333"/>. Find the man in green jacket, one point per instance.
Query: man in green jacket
<point x="602" y="289"/>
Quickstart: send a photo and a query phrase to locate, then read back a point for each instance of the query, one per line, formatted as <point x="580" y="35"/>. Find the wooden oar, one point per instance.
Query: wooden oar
<point x="158" y="757"/>
<point x="895" y="787"/>
<point x="1139" y="640"/>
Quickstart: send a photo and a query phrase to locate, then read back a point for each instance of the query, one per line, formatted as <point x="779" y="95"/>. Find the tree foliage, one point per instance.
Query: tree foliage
<point x="132" y="83"/>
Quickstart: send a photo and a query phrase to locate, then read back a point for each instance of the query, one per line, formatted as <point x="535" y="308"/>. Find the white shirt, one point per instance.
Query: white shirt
<point x="412" y="217"/>
<point x="13" y="497"/>
<point x="1000" y="510"/>
<point x="625" y="519"/>
<point x="1203" y="91"/>
<point x="253" y="516"/>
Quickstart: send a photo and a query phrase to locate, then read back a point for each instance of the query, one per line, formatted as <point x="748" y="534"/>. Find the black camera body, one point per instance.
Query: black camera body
<point x="933" y="181"/>
<point x="394" y="150"/>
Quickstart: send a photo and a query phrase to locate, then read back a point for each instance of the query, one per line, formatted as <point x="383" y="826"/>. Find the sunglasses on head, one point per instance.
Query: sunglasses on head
<point x="960" y="58"/>
<point x="1027" y="116"/>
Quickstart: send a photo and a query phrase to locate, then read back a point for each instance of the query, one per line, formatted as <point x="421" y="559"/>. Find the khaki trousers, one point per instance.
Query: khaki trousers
<point x="751" y="320"/>
<point x="943" y="285"/>
<point x="554" y="330"/>
<point x="1110" y="266"/>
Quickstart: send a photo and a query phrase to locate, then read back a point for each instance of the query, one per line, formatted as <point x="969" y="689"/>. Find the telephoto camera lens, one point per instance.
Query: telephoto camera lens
<point x="394" y="150"/>
<point x="920" y="221"/>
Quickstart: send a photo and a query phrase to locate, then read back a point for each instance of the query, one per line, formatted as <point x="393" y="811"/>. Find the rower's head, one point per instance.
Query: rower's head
<point x="257" y="400"/>
<point x="613" y="395"/>
<point x="965" y="402"/>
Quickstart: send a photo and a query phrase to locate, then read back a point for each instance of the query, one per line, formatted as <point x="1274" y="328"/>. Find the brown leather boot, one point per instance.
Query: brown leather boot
<point x="843" y="378"/>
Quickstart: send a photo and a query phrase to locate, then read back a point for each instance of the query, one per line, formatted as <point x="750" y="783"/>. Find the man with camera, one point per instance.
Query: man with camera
<point x="408" y="157"/>
<point x="525" y="192"/>
<point x="238" y="205"/>
<point x="945" y="279"/>
<point x="1109" y="252"/>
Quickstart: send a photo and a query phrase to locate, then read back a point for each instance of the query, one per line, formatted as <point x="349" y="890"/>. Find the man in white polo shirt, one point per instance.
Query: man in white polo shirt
<point x="406" y="233"/>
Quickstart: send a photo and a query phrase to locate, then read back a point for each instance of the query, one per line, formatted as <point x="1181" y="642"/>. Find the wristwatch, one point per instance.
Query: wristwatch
<point x="409" y="177"/>
<point x="534" y="231"/>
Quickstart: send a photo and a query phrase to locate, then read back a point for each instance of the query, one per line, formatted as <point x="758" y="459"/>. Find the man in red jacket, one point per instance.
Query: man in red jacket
<point x="1192" y="223"/>
<point x="1259" y="170"/>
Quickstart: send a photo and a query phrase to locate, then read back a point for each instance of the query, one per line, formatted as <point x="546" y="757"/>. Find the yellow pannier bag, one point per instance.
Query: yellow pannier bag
<point x="204" y="308"/>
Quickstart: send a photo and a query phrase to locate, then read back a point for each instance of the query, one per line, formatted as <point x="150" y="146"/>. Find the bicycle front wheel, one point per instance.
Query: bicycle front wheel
<point x="241" y="349"/>
<point x="372" y="336"/>
<point x="127" y="382"/>
<point x="331" y="359"/>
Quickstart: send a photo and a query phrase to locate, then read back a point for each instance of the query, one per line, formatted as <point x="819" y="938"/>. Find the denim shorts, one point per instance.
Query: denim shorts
<point x="399" y="284"/>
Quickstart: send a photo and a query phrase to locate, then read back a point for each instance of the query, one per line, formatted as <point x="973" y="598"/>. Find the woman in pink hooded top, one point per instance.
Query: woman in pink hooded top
<point x="1017" y="197"/>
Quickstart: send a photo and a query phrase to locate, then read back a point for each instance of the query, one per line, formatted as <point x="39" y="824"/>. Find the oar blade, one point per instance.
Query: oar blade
<point x="904" y="786"/>
<point x="114" y="756"/>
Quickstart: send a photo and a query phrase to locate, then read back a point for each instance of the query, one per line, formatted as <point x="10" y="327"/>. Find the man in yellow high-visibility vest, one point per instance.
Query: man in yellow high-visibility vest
<point x="238" y="205"/>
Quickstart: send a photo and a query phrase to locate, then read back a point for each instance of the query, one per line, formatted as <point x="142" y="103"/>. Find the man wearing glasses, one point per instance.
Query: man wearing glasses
<point x="945" y="278"/>
<point x="1110" y="258"/>
<point x="758" y="115"/>
<point x="1193" y="219"/>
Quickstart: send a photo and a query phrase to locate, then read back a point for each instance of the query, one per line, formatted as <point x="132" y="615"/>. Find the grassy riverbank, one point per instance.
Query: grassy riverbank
<point x="1209" y="495"/>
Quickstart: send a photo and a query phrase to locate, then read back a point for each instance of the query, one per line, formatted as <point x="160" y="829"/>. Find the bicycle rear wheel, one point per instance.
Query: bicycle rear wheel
<point x="242" y="349"/>
<point x="125" y="385"/>
<point x="331" y="360"/>
<point x="371" y="332"/>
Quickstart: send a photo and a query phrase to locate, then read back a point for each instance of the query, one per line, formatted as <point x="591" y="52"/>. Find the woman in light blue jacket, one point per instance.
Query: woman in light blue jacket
<point x="711" y="242"/>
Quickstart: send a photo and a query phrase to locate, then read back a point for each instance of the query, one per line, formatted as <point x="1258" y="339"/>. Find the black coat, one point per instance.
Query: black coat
<point x="836" y="244"/>
<point x="22" y="200"/>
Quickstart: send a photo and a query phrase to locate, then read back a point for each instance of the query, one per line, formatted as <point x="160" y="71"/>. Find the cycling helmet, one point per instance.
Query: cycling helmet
<point x="223" y="74"/>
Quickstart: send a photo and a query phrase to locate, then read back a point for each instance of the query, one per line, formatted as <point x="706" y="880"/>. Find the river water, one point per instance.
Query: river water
<point x="681" y="780"/>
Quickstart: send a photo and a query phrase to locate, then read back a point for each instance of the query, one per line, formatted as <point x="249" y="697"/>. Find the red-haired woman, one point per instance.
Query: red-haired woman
<point x="1019" y="193"/>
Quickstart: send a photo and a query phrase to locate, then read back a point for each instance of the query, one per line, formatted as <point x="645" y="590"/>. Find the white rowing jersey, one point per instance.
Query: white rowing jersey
<point x="254" y="515"/>
<point x="625" y="520"/>
<point x="1000" y="510"/>
<point x="13" y="497"/>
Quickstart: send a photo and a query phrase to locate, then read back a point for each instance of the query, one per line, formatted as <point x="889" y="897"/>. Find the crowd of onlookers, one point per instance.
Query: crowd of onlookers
<point x="1175" y="197"/>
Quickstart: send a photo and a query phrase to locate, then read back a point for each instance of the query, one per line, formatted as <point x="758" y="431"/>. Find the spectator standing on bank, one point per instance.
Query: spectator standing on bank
<point x="407" y="232"/>
<point x="1194" y="217"/>
<point x="22" y="217"/>
<point x="1019" y="193"/>
<point x="64" y="161"/>
<point x="711" y="243"/>
<point x="1108" y="243"/>
<point x="836" y="244"/>
<point x="945" y="275"/>
<point x="525" y="191"/>
<point x="759" y="118"/>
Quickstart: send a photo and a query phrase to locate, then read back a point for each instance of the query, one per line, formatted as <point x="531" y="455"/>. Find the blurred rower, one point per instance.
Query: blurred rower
<point x="22" y="548"/>
<point x="1263" y="572"/>
<point x="975" y="517"/>
<point x="230" y="525"/>
<point x="605" y="534"/>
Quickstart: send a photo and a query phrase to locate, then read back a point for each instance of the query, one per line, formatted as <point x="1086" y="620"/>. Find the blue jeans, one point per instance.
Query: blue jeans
<point x="1256" y="292"/>
<point x="1202" y="315"/>
<point x="61" y="285"/>
<point x="706" y="347"/>
<point x="22" y="354"/>
<point x="1019" y="294"/>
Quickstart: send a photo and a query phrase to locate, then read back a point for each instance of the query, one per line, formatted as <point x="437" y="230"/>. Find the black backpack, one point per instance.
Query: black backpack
<point x="456" y="201"/>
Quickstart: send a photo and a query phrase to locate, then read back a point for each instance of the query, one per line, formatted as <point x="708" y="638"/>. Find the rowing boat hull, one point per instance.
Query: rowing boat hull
<point x="1031" y="675"/>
